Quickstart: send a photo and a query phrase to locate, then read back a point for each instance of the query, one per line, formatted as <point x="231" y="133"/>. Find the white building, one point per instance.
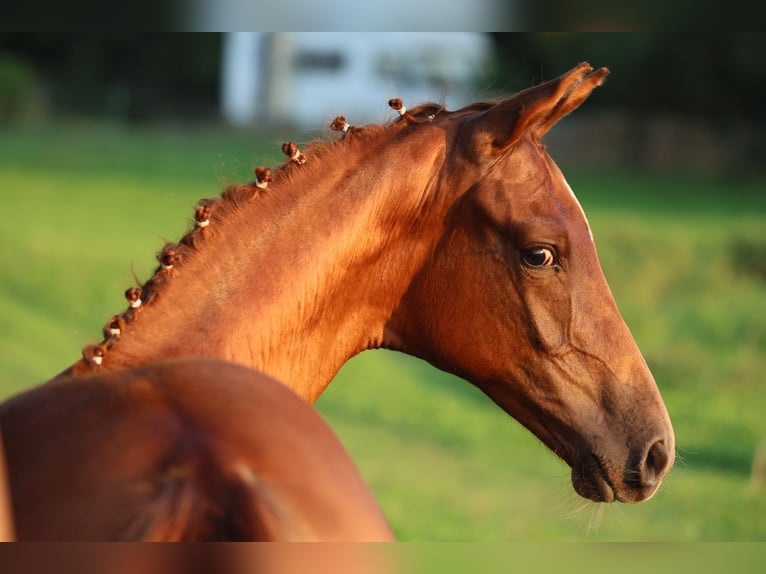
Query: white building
<point x="306" y="79"/>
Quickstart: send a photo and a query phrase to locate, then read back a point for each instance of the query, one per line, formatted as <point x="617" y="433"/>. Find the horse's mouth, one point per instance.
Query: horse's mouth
<point x="592" y="482"/>
<point x="589" y="478"/>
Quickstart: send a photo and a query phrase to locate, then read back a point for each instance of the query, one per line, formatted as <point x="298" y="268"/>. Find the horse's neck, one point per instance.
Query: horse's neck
<point x="294" y="283"/>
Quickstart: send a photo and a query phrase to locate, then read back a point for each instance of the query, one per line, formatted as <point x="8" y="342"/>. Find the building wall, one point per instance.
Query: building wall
<point x="306" y="79"/>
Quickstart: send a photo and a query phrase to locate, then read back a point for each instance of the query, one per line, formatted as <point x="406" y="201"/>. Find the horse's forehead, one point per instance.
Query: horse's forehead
<point x="556" y="174"/>
<point x="530" y="169"/>
<point x="525" y="164"/>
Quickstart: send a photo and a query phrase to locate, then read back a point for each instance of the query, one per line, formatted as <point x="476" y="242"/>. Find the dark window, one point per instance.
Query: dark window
<point x="319" y="61"/>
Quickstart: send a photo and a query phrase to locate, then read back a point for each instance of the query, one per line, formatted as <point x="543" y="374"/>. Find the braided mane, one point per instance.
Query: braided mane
<point x="211" y="211"/>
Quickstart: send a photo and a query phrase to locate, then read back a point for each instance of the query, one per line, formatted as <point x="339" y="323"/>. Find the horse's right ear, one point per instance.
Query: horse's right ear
<point x="534" y="111"/>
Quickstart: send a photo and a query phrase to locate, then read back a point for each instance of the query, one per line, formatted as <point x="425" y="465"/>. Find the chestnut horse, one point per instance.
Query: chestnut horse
<point x="182" y="449"/>
<point x="6" y="520"/>
<point x="448" y="235"/>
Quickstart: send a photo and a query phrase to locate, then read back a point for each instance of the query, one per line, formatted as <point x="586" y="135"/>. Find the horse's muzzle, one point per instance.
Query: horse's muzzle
<point x="635" y="481"/>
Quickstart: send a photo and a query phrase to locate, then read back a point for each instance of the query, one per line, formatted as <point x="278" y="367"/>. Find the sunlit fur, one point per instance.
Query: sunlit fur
<point x="414" y="236"/>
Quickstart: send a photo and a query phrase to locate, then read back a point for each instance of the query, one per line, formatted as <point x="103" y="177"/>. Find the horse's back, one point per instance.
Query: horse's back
<point x="181" y="450"/>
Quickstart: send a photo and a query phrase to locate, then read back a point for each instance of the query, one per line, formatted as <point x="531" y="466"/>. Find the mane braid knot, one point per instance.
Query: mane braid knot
<point x="397" y="105"/>
<point x="290" y="149"/>
<point x="94" y="354"/>
<point x="133" y="295"/>
<point x="202" y="216"/>
<point x="262" y="177"/>
<point x="169" y="258"/>
<point x="114" y="328"/>
<point x="339" y="124"/>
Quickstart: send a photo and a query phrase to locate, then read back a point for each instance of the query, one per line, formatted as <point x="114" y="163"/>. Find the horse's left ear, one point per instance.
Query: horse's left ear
<point x="535" y="110"/>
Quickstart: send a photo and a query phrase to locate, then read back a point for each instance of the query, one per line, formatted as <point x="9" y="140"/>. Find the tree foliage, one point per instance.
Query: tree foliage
<point x="715" y="75"/>
<point x="149" y="75"/>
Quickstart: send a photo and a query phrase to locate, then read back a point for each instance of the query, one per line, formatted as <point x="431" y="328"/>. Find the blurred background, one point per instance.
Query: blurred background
<point x="107" y="140"/>
<point x="688" y="98"/>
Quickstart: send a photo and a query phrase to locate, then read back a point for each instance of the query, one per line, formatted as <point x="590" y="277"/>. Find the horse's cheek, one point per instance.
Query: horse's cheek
<point x="548" y="315"/>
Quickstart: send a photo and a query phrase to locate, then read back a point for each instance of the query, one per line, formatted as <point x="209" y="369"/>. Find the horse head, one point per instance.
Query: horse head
<point x="513" y="297"/>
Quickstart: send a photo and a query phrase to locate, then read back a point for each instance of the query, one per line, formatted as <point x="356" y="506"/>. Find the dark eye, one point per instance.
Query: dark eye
<point x="538" y="257"/>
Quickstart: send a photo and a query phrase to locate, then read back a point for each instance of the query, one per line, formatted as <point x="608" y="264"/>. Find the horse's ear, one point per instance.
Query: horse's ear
<point x="535" y="110"/>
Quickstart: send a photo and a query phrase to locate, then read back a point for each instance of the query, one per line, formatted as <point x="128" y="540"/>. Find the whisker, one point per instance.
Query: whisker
<point x="596" y="519"/>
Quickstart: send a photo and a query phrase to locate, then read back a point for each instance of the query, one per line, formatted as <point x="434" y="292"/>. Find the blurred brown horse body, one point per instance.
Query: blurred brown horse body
<point x="183" y="449"/>
<point x="451" y="236"/>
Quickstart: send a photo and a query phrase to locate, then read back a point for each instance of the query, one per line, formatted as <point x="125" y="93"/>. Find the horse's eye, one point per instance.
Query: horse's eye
<point x="538" y="257"/>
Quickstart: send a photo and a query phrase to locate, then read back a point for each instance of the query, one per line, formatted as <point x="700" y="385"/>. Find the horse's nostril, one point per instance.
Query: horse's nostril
<point x="655" y="465"/>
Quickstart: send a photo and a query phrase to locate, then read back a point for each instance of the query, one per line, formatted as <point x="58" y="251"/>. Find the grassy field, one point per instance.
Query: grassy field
<point x="686" y="261"/>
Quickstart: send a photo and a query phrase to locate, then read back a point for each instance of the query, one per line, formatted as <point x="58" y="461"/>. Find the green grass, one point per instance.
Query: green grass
<point x="686" y="261"/>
